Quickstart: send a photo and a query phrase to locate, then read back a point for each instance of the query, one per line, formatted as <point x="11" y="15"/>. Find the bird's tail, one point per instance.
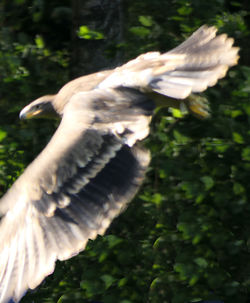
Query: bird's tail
<point x="197" y="63"/>
<point x="191" y="67"/>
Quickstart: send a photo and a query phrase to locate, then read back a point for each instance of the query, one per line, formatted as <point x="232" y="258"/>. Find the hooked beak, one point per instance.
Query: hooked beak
<point x="22" y="115"/>
<point x="26" y="113"/>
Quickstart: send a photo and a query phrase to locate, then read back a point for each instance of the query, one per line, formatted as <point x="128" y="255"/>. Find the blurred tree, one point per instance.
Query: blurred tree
<point x="185" y="238"/>
<point x="100" y="37"/>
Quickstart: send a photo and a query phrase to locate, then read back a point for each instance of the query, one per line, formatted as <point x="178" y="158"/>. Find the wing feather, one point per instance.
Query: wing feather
<point x="21" y="262"/>
<point x="72" y="191"/>
<point x="192" y="66"/>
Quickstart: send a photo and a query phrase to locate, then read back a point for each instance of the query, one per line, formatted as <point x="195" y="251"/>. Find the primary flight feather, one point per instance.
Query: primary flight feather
<point x="93" y="165"/>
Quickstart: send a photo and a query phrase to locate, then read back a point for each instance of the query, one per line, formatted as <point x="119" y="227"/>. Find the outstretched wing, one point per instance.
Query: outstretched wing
<point x="193" y="66"/>
<point x="189" y="68"/>
<point x="89" y="171"/>
<point x="204" y="59"/>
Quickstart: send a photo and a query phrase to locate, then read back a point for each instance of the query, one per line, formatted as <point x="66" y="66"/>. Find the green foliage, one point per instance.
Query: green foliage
<point x="186" y="235"/>
<point x="85" y="33"/>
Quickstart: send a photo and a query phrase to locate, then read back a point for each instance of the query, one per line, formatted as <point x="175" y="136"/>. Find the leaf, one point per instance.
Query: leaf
<point x="238" y="188"/>
<point x="140" y="31"/>
<point x="180" y="138"/>
<point x="3" y="134"/>
<point x="201" y="262"/>
<point x="113" y="240"/>
<point x="177" y="113"/>
<point x="146" y="20"/>
<point x="85" y="33"/>
<point x="39" y="42"/>
<point x="108" y="280"/>
<point x="185" y="10"/>
<point x="193" y="280"/>
<point x="208" y="182"/>
<point x="122" y="282"/>
<point x="157" y="198"/>
<point x="245" y="154"/>
<point x="238" y="138"/>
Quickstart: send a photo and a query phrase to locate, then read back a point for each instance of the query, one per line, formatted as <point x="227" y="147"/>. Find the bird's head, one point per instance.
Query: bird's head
<point x="40" y="108"/>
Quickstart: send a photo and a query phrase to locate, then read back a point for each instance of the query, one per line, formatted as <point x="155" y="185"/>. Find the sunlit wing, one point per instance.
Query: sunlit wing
<point x="85" y="176"/>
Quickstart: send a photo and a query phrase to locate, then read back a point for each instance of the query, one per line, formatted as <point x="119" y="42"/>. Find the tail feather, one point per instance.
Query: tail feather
<point x="191" y="67"/>
<point x="204" y="58"/>
<point x="180" y="84"/>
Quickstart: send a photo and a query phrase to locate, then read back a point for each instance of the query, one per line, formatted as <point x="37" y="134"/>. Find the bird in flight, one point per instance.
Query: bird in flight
<point x="93" y="165"/>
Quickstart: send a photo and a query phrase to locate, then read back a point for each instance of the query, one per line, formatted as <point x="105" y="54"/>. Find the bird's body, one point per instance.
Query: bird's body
<point x="93" y="165"/>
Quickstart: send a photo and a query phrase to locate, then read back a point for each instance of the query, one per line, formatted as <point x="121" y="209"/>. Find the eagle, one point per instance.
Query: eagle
<point x="94" y="163"/>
